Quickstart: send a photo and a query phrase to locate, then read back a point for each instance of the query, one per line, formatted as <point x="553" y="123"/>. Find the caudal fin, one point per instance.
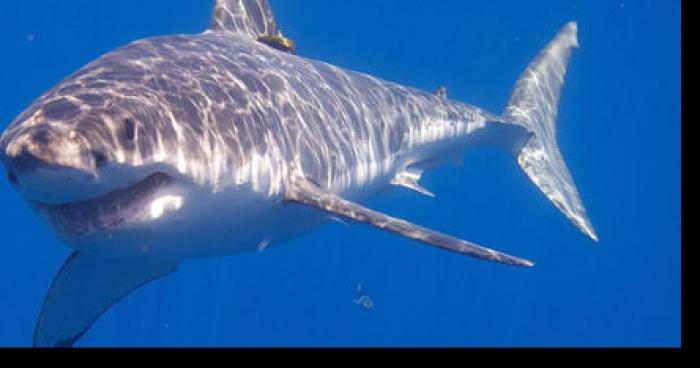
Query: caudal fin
<point x="534" y="105"/>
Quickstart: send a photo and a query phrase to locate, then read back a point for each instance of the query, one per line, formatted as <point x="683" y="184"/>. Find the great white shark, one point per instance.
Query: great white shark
<point x="192" y="146"/>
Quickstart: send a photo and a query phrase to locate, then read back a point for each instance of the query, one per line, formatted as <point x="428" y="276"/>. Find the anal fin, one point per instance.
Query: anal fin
<point x="305" y="192"/>
<point x="84" y="289"/>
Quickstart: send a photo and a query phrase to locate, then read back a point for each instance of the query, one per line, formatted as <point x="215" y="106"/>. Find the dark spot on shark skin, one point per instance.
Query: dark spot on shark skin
<point x="93" y="100"/>
<point x="69" y="89"/>
<point x="123" y="73"/>
<point x="129" y="130"/>
<point x="97" y="84"/>
<point x="100" y="159"/>
<point x="61" y="110"/>
<point x="238" y="97"/>
<point x="41" y="137"/>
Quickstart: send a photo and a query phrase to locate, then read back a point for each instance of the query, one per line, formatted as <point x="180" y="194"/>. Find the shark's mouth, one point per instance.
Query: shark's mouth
<point x="105" y="212"/>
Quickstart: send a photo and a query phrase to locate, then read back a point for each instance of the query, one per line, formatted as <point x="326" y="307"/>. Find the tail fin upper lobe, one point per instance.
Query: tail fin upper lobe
<point x="534" y="105"/>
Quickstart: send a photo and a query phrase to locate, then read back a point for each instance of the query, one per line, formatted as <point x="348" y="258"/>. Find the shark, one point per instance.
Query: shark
<point x="195" y="146"/>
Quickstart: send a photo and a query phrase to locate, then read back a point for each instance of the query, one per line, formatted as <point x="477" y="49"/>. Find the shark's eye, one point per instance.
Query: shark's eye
<point x="129" y="129"/>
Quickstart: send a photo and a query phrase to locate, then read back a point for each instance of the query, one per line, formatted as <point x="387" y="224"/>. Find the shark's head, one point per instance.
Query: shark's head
<point x="132" y="146"/>
<point x="90" y="156"/>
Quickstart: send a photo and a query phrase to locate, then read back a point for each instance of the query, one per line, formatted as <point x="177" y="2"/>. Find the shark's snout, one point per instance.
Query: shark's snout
<point x="38" y="162"/>
<point x="23" y="164"/>
<point x="11" y="176"/>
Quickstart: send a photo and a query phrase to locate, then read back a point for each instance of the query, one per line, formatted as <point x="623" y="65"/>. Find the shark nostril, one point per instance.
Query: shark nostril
<point x="41" y="137"/>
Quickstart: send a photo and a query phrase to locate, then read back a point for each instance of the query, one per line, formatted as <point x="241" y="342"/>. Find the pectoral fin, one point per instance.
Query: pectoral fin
<point x="305" y="192"/>
<point x="84" y="289"/>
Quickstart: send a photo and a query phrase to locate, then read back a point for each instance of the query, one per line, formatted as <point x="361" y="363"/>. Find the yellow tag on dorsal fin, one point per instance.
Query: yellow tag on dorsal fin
<point x="278" y="42"/>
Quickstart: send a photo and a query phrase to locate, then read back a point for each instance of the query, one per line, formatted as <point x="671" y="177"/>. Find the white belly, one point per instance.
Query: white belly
<point x="206" y="224"/>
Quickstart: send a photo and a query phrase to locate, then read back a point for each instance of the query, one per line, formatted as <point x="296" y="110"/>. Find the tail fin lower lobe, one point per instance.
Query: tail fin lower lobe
<point x="534" y="105"/>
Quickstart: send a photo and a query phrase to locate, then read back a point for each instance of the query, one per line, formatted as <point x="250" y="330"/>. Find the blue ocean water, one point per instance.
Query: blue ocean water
<point x="619" y="131"/>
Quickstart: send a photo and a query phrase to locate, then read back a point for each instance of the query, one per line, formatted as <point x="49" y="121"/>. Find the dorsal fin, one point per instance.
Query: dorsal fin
<point x="252" y="18"/>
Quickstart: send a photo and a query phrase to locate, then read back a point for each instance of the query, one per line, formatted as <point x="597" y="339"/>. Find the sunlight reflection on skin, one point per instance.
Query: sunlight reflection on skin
<point x="167" y="203"/>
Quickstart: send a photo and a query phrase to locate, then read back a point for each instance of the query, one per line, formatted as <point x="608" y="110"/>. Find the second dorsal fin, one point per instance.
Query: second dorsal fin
<point x="441" y="92"/>
<point x="252" y="18"/>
